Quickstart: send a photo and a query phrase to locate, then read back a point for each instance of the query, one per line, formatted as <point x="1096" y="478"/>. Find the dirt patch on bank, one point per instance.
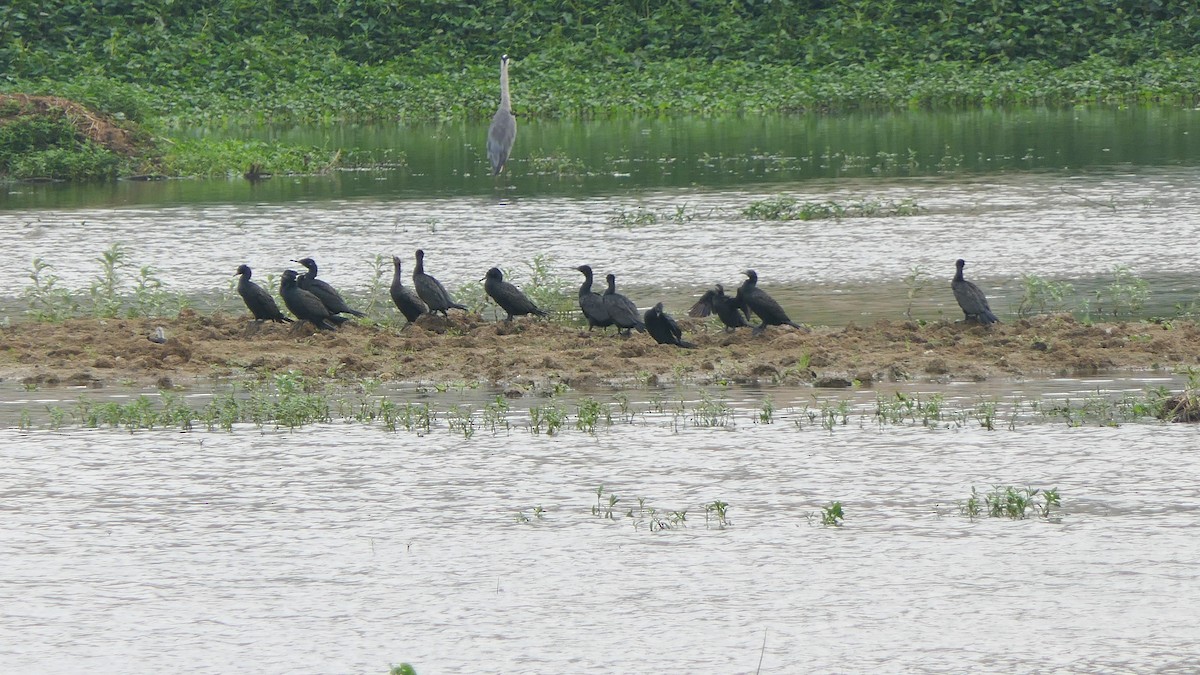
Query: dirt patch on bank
<point x="98" y="127"/>
<point x="531" y="354"/>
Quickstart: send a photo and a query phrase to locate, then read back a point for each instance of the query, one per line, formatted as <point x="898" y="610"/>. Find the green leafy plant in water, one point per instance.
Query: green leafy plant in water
<point x="1127" y="293"/>
<point x="834" y="414"/>
<point x="716" y="515"/>
<point x="635" y="218"/>
<point x="495" y="414"/>
<point x="378" y="298"/>
<point x="710" y="412"/>
<point x="1040" y="295"/>
<point x="832" y="514"/>
<point x="150" y="299"/>
<point x="589" y="413"/>
<point x="1012" y="502"/>
<point x="461" y="419"/>
<point x="206" y="157"/>
<point x="766" y="411"/>
<point x="788" y="208"/>
<point x="604" y="507"/>
<point x="549" y="417"/>
<point x="971" y="507"/>
<point x="556" y="163"/>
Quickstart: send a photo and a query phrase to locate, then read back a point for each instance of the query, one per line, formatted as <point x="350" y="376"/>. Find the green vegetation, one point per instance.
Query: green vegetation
<point x="374" y="59"/>
<point x="788" y="208"/>
<point x="832" y="514"/>
<point x="207" y="157"/>
<point x="114" y="292"/>
<point x="654" y="519"/>
<point x="1039" y="295"/>
<point x="1011" y="502"/>
<point x="166" y="65"/>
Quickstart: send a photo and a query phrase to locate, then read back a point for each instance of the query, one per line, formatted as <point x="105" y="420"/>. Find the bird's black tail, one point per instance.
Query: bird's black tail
<point x="355" y="312"/>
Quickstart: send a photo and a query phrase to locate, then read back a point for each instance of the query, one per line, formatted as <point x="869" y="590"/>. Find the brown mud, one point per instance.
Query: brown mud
<point x="532" y="354"/>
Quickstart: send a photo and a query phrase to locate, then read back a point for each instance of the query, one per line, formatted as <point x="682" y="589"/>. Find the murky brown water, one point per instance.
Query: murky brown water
<point x="343" y="547"/>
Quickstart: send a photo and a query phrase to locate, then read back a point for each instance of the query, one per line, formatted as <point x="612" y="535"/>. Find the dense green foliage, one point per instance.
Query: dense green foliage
<point x="312" y="59"/>
<point x="50" y="146"/>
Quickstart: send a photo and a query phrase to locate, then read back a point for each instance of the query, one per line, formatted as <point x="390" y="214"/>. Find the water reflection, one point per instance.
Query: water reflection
<point x="560" y="158"/>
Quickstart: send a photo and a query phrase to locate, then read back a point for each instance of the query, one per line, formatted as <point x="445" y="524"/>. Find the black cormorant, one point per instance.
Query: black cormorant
<point x="257" y="299"/>
<point x="621" y="309"/>
<point x="509" y="297"/>
<point x="305" y="305"/>
<point x="727" y="309"/>
<point x="592" y="304"/>
<point x="431" y="290"/>
<point x="663" y="329"/>
<point x="405" y="298"/>
<point x="751" y="298"/>
<point x="325" y="293"/>
<point x="973" y="302"/>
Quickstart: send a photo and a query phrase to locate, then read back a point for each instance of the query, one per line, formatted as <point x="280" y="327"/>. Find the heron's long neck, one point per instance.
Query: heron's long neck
<point x="505" y="101"/>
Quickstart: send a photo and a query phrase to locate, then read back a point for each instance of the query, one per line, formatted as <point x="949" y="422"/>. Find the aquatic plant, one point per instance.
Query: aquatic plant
<point x="588" y="414"/>
<point x="832" y="514"/>
<point x="495" y="414"/>
<point x="788" y="208"/>
<point x="710" y="412"/>
<point x="547" y="289"/>
<point x="555" y="163"/>
<point x="402" y="669"/>
<point x="766" y="411"/>
<point x="233" y="157"/>
<point x="1182" y="407"/>
<point x="549" y="417"/>
<point x="1039" y="295"/>
<point x="635" y="218"/>
<point x="834" y="414"/>
<point x="1011" y="502"/>
<point x="1125" y="294"/>
<point x="538" y="514"/>
<point x="604" y="508"/>
<point x="716" y="515"/>
<point x="461" y="419"/>
<point x="901" y="406"/>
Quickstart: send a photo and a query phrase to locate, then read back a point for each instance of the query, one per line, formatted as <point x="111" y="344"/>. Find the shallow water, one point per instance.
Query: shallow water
<point x="826" y="271"/>
<point x="1062" y="194"/>
<point x="343" y="547"/>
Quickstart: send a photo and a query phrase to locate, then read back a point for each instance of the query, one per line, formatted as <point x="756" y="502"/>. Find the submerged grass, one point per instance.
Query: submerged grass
<point x="289" y="400"/>
<point x="789" y="208"/>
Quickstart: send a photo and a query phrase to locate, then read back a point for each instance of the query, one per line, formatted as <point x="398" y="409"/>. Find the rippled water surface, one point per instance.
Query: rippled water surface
<point x="343" y="548"/>
<point x="829" y="270"/>
<point x="1065" y="195"/>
